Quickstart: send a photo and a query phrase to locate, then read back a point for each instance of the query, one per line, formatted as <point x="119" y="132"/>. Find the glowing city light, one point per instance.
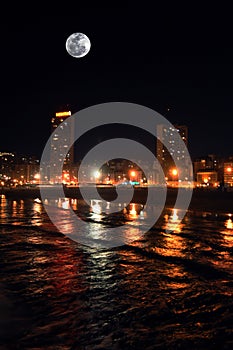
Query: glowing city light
<point x="174" y="172"/>
<point x="97" y="174"/>
<point x="63" y="114"/>
<point x="133" y="173"/>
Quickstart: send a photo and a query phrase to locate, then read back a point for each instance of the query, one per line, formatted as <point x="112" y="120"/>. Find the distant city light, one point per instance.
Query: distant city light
<point x="174" y="172"/>
<point x="63" y="114"/>
<point x="229" y="169"/>
<point x="133" y="173"/>
<point x="97" y="174"/>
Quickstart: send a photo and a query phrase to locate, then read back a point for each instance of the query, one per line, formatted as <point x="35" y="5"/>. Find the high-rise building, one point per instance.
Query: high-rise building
<point x="167" y="156"/>
<point x="63" y="136"/>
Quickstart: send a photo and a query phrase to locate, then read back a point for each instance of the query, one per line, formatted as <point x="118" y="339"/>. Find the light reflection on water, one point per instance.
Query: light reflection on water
<point x="14" y="211"/>
<point x="173" y="244"/>
<point x="228" y="232"/>
<point x="172" y="222"/>
<point x="229" y="223"/>
<point x="172" y="240"/>
<point x="174" y="286"/>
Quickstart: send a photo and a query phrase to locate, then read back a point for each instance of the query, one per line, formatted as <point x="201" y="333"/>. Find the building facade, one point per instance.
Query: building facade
<point x="207" y="178"/>
<point x="228" y="174"/>
<point x="175" y="137"/>
<point x="62" y="137"/>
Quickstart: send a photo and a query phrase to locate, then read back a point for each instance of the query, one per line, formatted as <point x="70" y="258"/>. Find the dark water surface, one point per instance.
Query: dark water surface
<point x="165" y="291"/>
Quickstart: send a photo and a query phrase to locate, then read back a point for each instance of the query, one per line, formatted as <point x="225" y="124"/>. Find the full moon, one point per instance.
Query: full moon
<point x="78" y="45"/>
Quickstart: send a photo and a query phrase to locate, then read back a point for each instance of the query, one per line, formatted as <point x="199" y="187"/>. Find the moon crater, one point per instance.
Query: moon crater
<point x="78" y="45"/>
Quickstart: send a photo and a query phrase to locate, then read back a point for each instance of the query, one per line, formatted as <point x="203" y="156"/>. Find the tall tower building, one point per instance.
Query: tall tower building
<point x="63" y="136"/>
<point x="174" y="151"/>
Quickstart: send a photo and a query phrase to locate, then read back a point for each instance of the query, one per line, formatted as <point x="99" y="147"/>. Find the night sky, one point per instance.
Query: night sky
<point x="164" y="58"/>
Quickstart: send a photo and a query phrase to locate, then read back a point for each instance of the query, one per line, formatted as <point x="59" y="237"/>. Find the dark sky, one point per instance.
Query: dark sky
<point x="160" y="58"/>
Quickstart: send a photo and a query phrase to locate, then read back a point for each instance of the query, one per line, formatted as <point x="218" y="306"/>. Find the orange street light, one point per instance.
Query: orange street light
<point x="133" y="173"/>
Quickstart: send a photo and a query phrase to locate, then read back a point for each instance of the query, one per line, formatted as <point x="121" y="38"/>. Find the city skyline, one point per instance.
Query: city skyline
<point x="173" y="64"/>
<point x="111" y="132"/>
<point x="209" y="170"/>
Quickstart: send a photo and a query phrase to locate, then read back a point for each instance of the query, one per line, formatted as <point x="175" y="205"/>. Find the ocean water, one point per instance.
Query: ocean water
<point x="165" y="291"/>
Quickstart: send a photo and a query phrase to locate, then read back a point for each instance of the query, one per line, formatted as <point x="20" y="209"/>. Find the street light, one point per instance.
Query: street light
<point x="133" y="173"/>
<point x="174" y="172"/>
<point x="96" y="174"/>
<point x="133" y="176"/>
<point x="36" y="178"/>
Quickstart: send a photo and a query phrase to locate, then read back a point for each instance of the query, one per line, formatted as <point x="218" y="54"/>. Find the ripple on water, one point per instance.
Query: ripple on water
<point x="170" y="289"/>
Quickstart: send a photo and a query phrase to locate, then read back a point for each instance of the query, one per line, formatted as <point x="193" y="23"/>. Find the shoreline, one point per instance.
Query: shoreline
<point x="202" y="199"/>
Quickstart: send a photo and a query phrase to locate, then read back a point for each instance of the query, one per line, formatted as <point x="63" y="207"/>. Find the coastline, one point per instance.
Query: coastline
<point x="202" y="199"/>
